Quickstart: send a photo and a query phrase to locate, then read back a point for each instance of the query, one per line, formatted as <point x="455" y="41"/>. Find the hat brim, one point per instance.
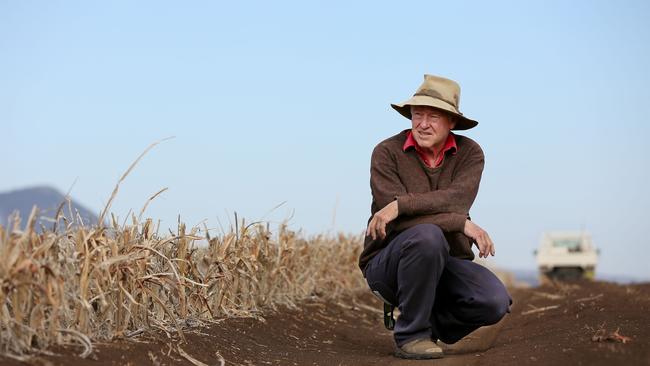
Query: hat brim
<point x="462" y="122"/>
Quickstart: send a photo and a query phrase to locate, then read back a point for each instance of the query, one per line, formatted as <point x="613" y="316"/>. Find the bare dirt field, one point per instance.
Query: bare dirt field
<point x="582" y="323"/>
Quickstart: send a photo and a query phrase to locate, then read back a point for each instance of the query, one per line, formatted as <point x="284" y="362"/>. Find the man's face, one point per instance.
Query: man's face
<point x="430" y="126"/>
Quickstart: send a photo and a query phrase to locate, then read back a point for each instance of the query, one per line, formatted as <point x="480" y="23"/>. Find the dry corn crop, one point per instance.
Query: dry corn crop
<point x="97" y="283"/>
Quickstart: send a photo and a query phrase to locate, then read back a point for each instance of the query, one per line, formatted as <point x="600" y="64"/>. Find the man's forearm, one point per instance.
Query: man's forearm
<point x="448" y="221"/>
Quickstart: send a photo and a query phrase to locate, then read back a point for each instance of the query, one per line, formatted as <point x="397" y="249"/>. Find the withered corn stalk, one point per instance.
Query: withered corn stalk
<point x="107" y="282"/>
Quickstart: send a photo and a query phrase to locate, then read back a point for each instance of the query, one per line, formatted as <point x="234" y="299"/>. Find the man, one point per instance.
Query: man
<point x="417" y="253"/>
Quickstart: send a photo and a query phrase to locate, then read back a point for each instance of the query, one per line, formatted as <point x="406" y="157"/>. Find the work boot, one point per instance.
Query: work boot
<point x="419" y="349"/>
<point x="479" y="340"/>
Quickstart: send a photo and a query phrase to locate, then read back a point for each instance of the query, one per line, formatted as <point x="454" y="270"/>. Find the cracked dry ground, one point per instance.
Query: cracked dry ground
<point x="582" y="323"/>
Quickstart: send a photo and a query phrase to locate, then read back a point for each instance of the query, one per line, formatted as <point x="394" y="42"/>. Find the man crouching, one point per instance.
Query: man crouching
<point x="417" y="253"/>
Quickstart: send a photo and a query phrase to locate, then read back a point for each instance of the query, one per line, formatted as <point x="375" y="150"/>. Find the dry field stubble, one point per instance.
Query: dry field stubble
<point x="97" y="283"/>
<point x="73" y="283"/>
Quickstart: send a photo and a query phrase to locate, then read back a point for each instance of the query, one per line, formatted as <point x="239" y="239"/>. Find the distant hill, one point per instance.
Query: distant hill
<point x="47" y="199"/>
<point x="529" y="277"/>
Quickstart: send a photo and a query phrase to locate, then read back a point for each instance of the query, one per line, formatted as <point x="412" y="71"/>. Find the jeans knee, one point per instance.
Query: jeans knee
<point x="427" y="240"/>
<point x="495" y="307"/>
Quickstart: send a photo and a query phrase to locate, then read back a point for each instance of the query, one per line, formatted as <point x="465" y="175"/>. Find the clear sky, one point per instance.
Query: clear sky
<point x="277" y="101"/>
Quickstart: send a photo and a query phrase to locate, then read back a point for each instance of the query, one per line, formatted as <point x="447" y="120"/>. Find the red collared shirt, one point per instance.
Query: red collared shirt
<point x="450" y="144"/>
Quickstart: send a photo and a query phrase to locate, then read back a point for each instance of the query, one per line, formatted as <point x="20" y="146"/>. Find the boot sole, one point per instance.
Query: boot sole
<point x="418" y="356"/>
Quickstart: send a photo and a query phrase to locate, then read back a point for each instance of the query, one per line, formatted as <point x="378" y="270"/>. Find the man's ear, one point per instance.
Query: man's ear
<point x="452" y="121"/>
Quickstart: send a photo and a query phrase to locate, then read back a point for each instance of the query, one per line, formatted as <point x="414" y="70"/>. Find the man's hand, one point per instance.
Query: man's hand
<point x="377" y="225"/>
<point x="483" y="241"/>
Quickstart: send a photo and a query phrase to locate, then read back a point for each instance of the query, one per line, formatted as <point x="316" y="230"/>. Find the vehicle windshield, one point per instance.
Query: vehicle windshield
<point x="573" y="245"/>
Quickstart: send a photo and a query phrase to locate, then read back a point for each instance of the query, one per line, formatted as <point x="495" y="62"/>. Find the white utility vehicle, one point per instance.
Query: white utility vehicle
<point x="566" y="255"/>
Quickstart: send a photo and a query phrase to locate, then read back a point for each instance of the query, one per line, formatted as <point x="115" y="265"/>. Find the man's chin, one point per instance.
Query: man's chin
<point x="426" y="144"/>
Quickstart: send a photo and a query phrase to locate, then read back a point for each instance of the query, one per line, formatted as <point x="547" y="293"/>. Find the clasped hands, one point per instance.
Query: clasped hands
<point x="377" y="229"/>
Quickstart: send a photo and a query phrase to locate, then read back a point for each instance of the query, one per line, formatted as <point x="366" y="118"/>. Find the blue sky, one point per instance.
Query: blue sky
<point x="279" y="101"/>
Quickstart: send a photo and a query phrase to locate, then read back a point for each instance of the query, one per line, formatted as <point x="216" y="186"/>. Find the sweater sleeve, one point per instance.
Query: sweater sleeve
<point x="385" y="182"/>
<point x="447" y="221"/>
<point x="458" y="197"/>
<point x="387" y="186"/>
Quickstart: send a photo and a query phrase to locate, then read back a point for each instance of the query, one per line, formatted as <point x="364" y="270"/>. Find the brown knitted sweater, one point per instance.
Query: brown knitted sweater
<point x="442" y="195"/>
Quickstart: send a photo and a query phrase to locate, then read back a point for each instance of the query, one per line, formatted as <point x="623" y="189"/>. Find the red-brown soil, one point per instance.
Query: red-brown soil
<point x="585" y="323"/>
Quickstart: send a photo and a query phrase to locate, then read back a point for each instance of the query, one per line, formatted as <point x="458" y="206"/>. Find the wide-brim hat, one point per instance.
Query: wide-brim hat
<point x="439" y="93"/>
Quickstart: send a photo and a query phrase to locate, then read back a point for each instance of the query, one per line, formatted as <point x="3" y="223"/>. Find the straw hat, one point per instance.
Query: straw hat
<point x="440" y="93"/>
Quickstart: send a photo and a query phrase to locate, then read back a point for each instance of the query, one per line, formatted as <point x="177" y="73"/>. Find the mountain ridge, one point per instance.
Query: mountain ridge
<point x="47" y="199"/>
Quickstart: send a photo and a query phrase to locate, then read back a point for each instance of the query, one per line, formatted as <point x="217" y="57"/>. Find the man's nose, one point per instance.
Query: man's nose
<point x="426" y="122"/>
